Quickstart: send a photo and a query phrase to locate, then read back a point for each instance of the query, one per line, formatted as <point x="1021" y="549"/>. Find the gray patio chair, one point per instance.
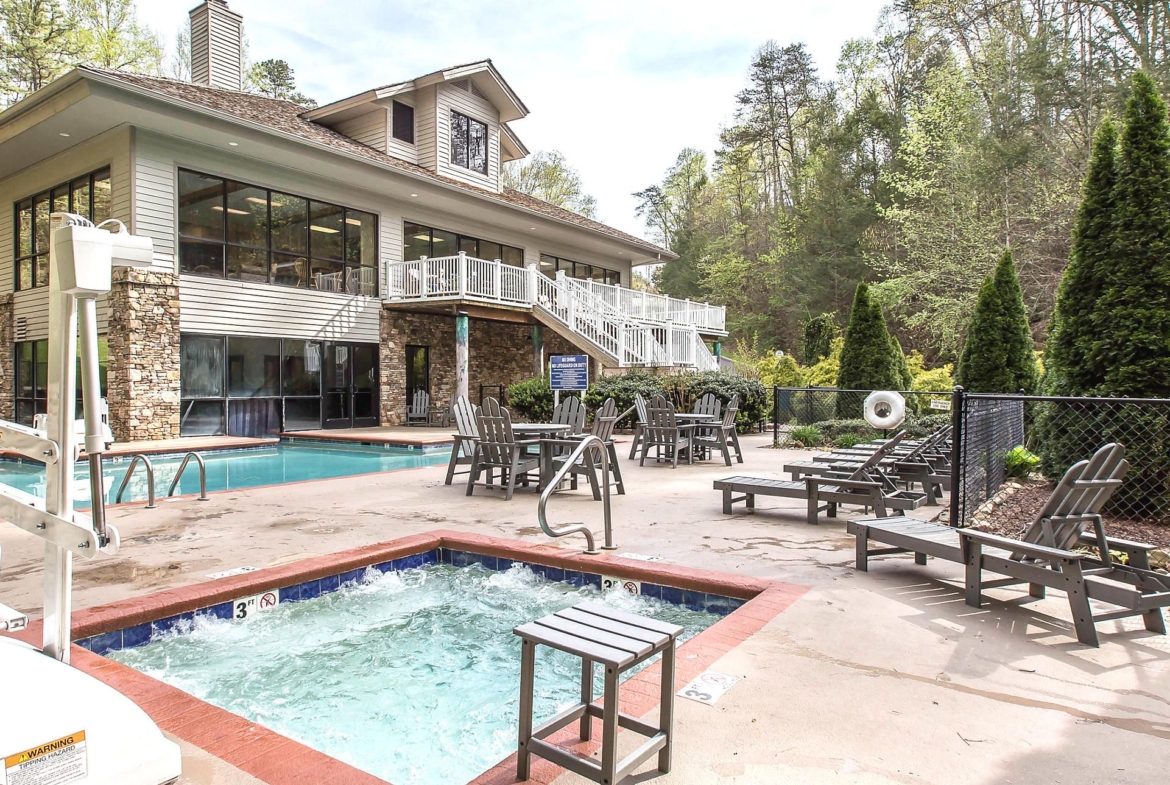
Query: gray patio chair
<point x="418" y="411"/>
<point x="463" y="413"/>
<point x="570" y="412"/>
<point x="722" y="436"/>
<point x="640" y="427"/>
<point x="709" y="404"/>
<point x="498" y="448"/>
<point x="1044" y="558"/>
<point x="663" y="433"/>
<point x="604" y="421"/>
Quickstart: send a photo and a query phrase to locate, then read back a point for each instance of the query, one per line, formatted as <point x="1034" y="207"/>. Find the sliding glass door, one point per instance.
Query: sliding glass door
<point x="351" y="385"/>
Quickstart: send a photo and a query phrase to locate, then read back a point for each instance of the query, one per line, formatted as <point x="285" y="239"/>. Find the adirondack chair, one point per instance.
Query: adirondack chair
<point x="1043" y="558"/>
<point x="859" y="486"/>
<point x="722" y="436"/>
<point x="640" y="428"/>
<point x="571" y="412"/>
<point x="708" y="404"/>
<point x="463" y="412"/>
<point x="604" y="421"/>
<point x="663" y="433"/>
<point x="418" y="412"/>
<point x="447" y="418"/>
<point x="498" y="448"/>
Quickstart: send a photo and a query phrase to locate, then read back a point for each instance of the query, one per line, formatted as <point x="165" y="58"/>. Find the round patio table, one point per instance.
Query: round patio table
<point x="542" y="431"/>
<point x="690" y="418"/>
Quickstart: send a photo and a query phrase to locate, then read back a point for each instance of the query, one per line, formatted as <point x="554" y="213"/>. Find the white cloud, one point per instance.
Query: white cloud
<point x="618" y="86"/>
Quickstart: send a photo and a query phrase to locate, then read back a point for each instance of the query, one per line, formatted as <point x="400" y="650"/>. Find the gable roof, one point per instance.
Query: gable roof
<point x="286" y="118"/>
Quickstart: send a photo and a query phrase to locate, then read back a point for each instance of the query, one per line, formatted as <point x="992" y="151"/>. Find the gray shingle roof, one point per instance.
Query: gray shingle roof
<point x="285" y="116"/>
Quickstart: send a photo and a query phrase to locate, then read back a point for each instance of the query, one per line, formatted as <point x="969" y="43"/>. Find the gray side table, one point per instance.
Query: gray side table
<point x="619" y="641"/>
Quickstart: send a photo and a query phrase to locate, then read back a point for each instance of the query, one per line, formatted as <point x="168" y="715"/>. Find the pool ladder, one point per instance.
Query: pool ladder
<point x="588" y="442"/>
<point x="150" y="503"/>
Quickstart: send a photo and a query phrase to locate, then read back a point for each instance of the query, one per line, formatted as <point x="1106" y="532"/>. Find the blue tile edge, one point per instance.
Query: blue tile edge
<point x="140" y="634"/>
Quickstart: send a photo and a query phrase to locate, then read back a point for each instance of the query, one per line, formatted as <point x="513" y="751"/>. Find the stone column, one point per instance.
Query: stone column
<point x="537" y="350"/>
<point x="7" y="361"/>
<point x="143" y="334"/>
<point x="461" y="328"/>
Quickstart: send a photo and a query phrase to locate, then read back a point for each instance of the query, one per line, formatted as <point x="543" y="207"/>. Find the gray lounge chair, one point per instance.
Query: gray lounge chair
<point x="1044" y="558"/>
<point x="824" y="494"/>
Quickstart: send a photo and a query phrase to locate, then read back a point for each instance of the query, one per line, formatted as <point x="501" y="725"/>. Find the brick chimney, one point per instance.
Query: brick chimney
<point x="217" y="46"/>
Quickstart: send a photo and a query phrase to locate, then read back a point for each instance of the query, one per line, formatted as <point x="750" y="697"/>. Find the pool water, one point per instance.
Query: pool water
<point x="230" y="469"/>
<point x="412" y="676"/>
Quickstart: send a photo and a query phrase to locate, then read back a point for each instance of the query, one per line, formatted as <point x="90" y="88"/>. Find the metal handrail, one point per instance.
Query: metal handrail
<point x="202" y="475"/>
<point x="588" y="441"/>
<point x="150" y="505"/>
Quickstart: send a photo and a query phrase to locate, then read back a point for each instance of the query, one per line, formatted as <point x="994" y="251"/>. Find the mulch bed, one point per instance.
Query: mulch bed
<point x="1011" y="516"/>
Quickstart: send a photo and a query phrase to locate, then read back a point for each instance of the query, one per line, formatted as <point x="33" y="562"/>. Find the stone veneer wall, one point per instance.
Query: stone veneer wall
<point x="143" y="335"/>
<point x="498" y="353"/>
<point x="7" y="361"/>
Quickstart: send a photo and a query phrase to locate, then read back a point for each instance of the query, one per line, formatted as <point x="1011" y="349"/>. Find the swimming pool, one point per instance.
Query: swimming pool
<point x="231" y="469"/>
<point x="410" y="674"/>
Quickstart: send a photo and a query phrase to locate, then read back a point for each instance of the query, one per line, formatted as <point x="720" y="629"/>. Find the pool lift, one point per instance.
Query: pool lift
<point x="58" y="724"/>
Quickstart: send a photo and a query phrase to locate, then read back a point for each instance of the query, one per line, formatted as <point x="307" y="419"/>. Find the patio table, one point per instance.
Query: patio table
<point x="548" y="434"/>
<point x="690" y="418"/>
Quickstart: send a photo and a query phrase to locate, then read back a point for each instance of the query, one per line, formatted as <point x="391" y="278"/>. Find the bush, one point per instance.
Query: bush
<point x="916" y="427"/>
<point x="846" y="440"/>
<point x="532" y="399"/>
<point x="622" y="389"/>
<point x="1020" y="463"/>
<point x="998" y="356"/>
<point x="807" y="436"/>
<point x="871" y="359"/>
<point x="754" y="398"/>
<point x="781" y="372"/>
<point x="817" y="341"/>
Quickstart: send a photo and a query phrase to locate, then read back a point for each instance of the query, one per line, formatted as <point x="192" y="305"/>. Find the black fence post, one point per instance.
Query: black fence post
<point x="775" y="415"/>
<point x="957" y="402"/>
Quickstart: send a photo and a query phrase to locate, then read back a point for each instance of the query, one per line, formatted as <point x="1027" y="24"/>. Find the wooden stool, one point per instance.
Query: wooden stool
<point x="619" y="641"/>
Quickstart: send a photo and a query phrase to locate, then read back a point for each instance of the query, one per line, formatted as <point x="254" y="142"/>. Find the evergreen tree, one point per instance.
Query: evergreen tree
<point x="997" y="356"/>
<point x="1133" y="311"/>
<point x="898" y="357"/>
<point x="1074" y="332"/>
<point x="867" y="359"/>
<point x="817" y="342"/>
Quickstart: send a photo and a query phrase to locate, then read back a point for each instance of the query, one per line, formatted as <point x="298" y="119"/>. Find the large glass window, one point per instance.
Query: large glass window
<point x="88" y="196"/>
<point x="469" y="143"/>
<point x="240" y="231"/>
<point x="402" y="125"/>
<point x="549" y="265"/>
<point x="32" y="378"/>
<point x="249" y="386"/>
<point x="419" y="242"/>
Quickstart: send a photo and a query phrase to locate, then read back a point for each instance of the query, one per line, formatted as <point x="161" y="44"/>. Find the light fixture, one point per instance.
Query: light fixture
<point x="353" y="221"/>
<point x="255" y="200"/>
<point x="415" y="196"/>
<point x="234" y="211"/>
<point x="217" y="208"/>
<point x="532" y="228"/>
<point x="324" y="229"/>
<point x="63" y="134"/>
<point x="234" y="144"/>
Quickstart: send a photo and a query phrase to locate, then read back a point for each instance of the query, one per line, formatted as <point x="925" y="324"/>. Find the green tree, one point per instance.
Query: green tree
<point x="817" y="341"/>
<point x="1073" y="364"/>
<point x="1134" y="307"/>
<point x="109" y="35"/>
<point x="38" y="43"/>
<point x="867" y="357"/>
<point x="548" y="176"/>
<point x="274" y="78"/>
<point x="997" y="356"/>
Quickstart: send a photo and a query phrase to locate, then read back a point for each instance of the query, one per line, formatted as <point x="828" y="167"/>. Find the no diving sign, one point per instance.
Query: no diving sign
<point x="56" y="762"/>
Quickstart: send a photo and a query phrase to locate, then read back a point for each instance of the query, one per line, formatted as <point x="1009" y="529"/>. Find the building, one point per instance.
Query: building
<point x="311" y="268"/>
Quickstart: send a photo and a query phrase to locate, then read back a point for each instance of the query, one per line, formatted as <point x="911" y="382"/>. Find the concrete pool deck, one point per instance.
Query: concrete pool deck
<point x="877" y="677"/>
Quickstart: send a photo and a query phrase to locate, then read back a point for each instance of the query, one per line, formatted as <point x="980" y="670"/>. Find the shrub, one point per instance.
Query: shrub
<point x="916" y="427"/>
<point x="754" y="398"/>
<point x="781" y="372"/>
<point x="1020" y="463"/>
<point x="532" y="399"/>
<point x="622" y="389"/>
<point x="807" y="436"/>
<point x="817" y="341"/>
<point x="998" y="356"/>
<point x="846" y="440"/>
<point x="868" y="360"/>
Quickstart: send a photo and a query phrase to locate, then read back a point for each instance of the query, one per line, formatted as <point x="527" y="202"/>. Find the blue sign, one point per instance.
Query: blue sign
<point x="569" y="372"/>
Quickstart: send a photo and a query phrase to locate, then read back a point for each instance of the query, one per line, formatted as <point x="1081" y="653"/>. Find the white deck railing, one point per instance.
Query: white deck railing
<point x="634" y="328"/>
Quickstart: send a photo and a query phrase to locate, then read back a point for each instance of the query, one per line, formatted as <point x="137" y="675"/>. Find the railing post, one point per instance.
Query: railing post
<point x="670" y="342"/>
<point x="533" y="285"/>
<point x="461" y="272"/>
<point x="499" y="276"/>
<point x="621" y="346"/>
<point x="423" y="264"/>
<point x="958" y="401"/>
<point x="775" y="415"/>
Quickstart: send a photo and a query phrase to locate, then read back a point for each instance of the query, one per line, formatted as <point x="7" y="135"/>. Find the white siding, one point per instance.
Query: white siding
<point x="110" y="149"/>
<point x="154" y="204"/>
<point x="210" y="305"/>
<point x="369" y="129"/>
<point x="425" y="127"/>
<point x="450" y="99"/>
<point x="396" y="147"/>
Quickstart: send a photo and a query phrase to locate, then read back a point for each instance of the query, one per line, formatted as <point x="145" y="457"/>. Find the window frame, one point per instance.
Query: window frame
<point x="394" y="106"/>
<point x="459" y="239"/>
<point x="40" y="256"/>
<point x="342" y="264"/>
<point x="39" y="400"/>
<point x="610" y="277"/>
<point x="467" y="138"/>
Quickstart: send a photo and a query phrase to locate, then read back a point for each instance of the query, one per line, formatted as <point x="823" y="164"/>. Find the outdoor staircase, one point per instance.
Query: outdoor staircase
<point x="620" y="328"/>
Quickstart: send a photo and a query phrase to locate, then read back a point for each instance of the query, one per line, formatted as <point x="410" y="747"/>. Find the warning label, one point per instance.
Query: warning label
<point x="56" y="762"/>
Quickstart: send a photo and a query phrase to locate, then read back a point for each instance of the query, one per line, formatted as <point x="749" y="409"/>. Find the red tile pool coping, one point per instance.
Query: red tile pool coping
<point x="279" y="760"/>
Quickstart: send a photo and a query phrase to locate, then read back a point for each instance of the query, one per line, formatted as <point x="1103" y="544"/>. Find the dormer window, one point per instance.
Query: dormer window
<point x="403" y="122"/>
<point x="469" y="143"/>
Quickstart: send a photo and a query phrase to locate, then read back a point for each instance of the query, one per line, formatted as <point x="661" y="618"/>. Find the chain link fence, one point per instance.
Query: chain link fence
<point x="821" y="416"/>
<point x="1060" y="432"/>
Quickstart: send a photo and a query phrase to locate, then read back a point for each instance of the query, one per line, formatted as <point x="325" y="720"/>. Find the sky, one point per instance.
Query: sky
<point x="618" y="86"/>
